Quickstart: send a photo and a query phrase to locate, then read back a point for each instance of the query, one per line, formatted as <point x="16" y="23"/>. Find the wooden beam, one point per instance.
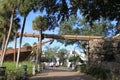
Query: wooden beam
<point x="42" y="43"/>
<point x="65" y="37"/>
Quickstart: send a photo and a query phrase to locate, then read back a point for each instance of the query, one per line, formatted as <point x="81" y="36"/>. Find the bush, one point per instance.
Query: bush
<point x="44" y="59"/>
<point x="98" y="72"/>
<point x="81" y="68"/>
<point x="14" y="73"/>
<point x="29" y="67"/>
<point x="71" y="59"/>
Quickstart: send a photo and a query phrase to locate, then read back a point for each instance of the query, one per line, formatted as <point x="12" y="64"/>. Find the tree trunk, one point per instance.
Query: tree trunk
<point x="3" y="42"/>
<point x="37" y="55"/>
<point x="4" y="38"/>
<point x="15" y="42"/>
<point x="39" y="48"/>
<point x="8" y="36"/>
<point x="39" y="51"/>
<point x="88" y="54"/>
<point x="21" y="35"/>
<point x="40" y="45"/>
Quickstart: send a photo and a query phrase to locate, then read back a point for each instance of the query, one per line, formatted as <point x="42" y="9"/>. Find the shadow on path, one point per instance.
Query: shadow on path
<point x="60" y="73"/>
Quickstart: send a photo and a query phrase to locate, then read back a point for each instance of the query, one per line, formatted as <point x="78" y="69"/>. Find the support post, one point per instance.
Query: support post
<point x="33" y="70"/>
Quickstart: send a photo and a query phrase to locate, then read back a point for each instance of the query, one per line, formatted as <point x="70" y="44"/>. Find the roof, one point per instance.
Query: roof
<point x="10" y="51"/>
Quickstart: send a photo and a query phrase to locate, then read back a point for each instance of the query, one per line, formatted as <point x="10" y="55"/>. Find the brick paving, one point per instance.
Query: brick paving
<point x="60" y="73"/>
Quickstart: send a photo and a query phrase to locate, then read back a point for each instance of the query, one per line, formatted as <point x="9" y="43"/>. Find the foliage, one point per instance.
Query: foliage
<point x="75" y="58"/>
<point x="98" y="72"/>
<point x="94" y="10"/>
<point x="81" y="68"/>
<point x="29" y="66"/>
<point x="108" y="53"/>
<point x="5" y="15"/>
<point x="15" y="73"/>
<point x="44" y="59"/>
<point x="59" y="9"/>
<point x="71" y="59"/>
<point x="51" y="52"/>
<point x="10" y="48"/>
<point x="40" y="23"/>
<point x="62" y="55"/>
<point x="78" y="26"/>
<point x="69" y="27"/>
<point x="26" y="45"/>
<point x="10" y="5"/>
<point x="24" y="9"/>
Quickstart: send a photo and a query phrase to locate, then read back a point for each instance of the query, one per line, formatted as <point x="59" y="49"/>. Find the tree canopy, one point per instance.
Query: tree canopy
<point x="40" y="23"/>
<point x="91" y="9"/>
<point x="95" y="9"/>
<point x="79" y="26"/>
<point x="26" y="45"/>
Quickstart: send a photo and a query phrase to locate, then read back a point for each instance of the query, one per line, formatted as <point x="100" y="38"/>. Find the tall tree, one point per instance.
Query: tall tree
<point x="51" y="52"/>
<point x="24" y="9"/>
<point x="5" y="27"/>
<point x="62" y="54"/>
<point x="40" y="24"/>
<point x="10" y="5"/>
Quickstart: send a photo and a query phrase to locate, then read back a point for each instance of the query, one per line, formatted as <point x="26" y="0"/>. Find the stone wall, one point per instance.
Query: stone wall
<point x="95" y="47"/>
<point x="106" y="53"/>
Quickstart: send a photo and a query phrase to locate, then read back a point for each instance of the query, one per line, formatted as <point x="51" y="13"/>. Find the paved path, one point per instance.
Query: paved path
<point x="60" y="73"/>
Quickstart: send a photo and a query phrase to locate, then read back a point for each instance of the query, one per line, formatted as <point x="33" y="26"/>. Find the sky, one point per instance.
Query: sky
<point x="30" y="40"/>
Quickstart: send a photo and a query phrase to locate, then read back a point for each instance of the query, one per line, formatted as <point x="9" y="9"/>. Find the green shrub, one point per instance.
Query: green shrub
<point x="29" y="66"/>
<point x="81" y="68"/>
<point x="72" y="58"/>
<point x="98" y="72"/>
<point x="14" y="73"/>
<point x="44" y="59"/>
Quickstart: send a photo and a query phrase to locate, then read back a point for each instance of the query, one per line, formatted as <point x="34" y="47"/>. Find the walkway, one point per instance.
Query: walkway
<point x="60" y="73"/>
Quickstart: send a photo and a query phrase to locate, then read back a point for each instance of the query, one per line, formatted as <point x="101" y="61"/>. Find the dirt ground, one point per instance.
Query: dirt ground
<point x="60" y="73"/>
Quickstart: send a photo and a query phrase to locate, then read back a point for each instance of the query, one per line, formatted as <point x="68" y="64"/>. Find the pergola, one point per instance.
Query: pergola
<point x="66" y="37"/>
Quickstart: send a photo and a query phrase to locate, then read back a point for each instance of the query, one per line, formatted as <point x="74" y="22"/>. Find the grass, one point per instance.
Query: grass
<point x="9" y="65"/>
